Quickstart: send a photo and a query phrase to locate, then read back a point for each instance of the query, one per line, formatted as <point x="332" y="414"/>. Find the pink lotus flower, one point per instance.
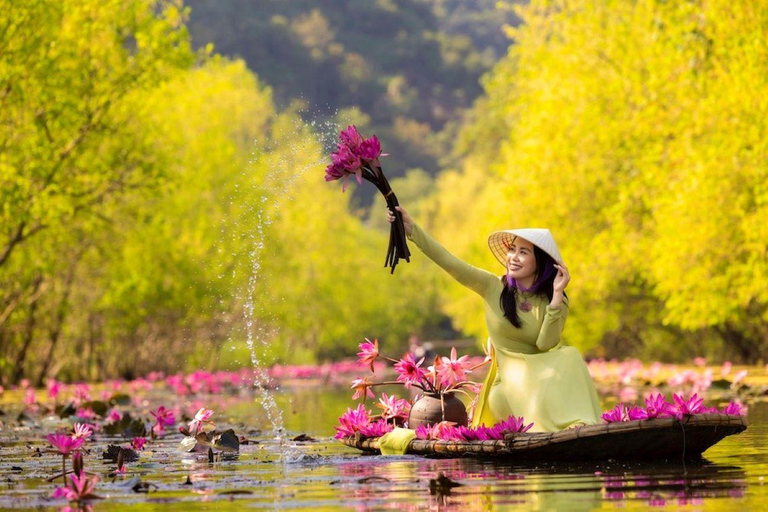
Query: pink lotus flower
<point x="349" y="161"/>
<point x="114" y="416"/>
<point x="735" y="409"/>
<point x="683" y="407"/>
<point x="164" y="417"/>
<point x="368" y="353"/>
<point x="370" y="149"/>
<point x="86" y="413"/>
<point x="738" y="378"/>
<point x="138" y="443"/>
<point x="409" y="371"/>
<point x="82" y="431"/>
<point x="362" y="387"/>
<point x="82" y="393"/>
<point x="453" y="370"/>
<point x="657" y="407"/>
<point x="725" y="369"/>
<point x="64" y="443"/>
<point x="30" y="399"/>
<point x="202" y="416"/>
<point x="636" y="413"/>
<point x="81" y="489"/>
<point x="394" y="407"/>
<point x="376" y="429"/>
<point x="351" y="138"/>
<point x="352" y="421"/>
<point x="447" y="431"/>
<point x="699" y="361"/>
<point x="513" y="425"/>
<point x="615" y="415"/>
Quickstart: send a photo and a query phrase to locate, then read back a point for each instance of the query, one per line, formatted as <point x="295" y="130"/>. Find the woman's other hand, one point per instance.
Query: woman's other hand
<point x="407" y="220"/>
<point x="561" y="279"/>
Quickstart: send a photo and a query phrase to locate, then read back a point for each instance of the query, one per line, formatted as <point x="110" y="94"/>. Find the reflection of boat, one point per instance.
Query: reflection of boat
<point x="659" y="438"/>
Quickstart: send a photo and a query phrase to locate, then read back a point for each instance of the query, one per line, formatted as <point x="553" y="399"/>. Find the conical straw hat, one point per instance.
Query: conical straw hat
<point x="500" y="241"/>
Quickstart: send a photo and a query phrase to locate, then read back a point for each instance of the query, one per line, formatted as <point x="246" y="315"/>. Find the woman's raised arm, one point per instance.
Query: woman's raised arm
<point x="472" y="277"/>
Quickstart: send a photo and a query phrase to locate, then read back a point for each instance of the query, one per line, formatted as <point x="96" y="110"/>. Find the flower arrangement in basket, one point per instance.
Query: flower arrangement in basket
<point x="358" y="156"/>
<point x="436" y="414"/>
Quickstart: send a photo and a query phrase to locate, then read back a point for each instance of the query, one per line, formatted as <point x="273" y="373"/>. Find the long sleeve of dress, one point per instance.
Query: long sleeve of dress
<point x="552" y="327"/>
<point x="472" y="277"/>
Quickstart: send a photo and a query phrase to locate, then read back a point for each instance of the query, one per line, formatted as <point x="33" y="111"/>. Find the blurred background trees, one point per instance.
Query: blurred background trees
<point x="146" y="175"/>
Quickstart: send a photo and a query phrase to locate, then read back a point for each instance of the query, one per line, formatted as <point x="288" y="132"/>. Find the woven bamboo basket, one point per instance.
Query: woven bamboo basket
<point x="659" y="438"/>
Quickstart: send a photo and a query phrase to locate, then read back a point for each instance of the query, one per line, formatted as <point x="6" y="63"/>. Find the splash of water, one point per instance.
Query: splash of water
<point x="276" y="188"/>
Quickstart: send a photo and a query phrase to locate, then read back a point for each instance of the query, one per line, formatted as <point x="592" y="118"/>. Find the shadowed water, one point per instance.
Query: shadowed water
<point x="326" y="475"/>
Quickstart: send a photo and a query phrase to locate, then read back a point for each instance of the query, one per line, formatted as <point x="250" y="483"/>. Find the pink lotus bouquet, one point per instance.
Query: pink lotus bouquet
<point x="446" y="375"/>
<point x="359" y="156"/>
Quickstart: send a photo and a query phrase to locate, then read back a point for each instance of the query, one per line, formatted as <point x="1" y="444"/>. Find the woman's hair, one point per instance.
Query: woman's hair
<point x="507" y="300"/>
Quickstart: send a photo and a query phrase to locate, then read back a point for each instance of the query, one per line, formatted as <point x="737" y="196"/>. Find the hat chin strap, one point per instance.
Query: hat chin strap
<point x="548" y="271"/>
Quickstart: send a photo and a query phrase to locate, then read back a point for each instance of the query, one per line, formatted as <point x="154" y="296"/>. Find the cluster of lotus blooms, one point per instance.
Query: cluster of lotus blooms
<point x="449" y="374"/>
<point x="81" y="483"/>
<point x="361" y="421"/>
<point x="656" y="406"/>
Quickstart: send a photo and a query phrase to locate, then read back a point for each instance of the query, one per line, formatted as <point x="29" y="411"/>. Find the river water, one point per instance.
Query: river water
<point x="324" y="475"/>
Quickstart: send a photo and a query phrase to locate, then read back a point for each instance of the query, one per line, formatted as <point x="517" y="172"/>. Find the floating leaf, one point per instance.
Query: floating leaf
<point x="96" y="406"/>
<point x="65" y="411"/>
<point x="227" y="441"/>
<point x="113" y="453"/>
<point x="187" y="444"/>
<point x="120" y="399"/>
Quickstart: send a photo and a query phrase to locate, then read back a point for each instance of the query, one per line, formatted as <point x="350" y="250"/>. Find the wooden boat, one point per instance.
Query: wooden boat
<point x="659" y="438"/>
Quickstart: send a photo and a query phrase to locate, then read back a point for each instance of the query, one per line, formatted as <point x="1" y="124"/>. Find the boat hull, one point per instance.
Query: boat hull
<point x="655" y="439"/>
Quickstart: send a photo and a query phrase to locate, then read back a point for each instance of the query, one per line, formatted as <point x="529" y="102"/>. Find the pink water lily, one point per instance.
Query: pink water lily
<point x="637" y="413"/>
<point x="362" y="387"/>
<point x="201" y="417"/>
<point x="376" y="429"/>
<point x="54" y="388"/>
<point x="734" y="409"/>
<point x="657" y="407"/>
<point x="352" y="421"/>
<point x="409" y="371"/>
<point x="684" y="407"/>
<point x="114" y="416"/>
<point x="369" y="351"/>
<point x="453" y="370"/>
<point x="351" y="138"/>
<point x="370" y="149"/>
<point x="82" y="393"/>
<point x="513" y="425"/>
<point x="349" y="161"/>
<point x="138" y="443"/>
<point x="64" y="443"/>
<point x="394" y="407"/>
<point x="82" y="431"/>
<point x="615" y="415"/>
<point x="164" y="416"/>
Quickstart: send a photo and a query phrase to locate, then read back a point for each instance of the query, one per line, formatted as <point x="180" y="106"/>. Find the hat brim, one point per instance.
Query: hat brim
<point x="500" y="241"/>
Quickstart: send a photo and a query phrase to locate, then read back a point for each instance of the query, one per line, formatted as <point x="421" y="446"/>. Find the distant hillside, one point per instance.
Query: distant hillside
<point x="411" y="66"/>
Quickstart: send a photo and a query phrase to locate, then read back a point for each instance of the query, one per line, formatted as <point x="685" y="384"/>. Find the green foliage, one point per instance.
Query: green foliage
<point x="636" y="132"/>
<point x="412" y="66"/>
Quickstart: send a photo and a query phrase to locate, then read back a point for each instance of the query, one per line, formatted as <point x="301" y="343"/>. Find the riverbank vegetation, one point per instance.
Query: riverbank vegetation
<point x="153" y="189"/>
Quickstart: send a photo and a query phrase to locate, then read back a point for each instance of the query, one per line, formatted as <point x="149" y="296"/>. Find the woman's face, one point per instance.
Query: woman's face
<point x="521" y="261"/>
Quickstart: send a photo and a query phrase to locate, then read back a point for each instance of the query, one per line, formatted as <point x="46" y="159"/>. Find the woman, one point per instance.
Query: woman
<point x="525" y="310"/>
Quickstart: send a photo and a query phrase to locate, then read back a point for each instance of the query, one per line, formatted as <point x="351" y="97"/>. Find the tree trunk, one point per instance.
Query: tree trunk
<point x="29" y="331"/>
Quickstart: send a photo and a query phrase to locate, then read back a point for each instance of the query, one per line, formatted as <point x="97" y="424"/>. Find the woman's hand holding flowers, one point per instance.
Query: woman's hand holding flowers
<point x="407" y="220"/>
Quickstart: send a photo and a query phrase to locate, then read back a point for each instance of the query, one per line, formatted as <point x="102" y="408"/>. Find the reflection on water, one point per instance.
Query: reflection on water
<point x="326" y="475"/>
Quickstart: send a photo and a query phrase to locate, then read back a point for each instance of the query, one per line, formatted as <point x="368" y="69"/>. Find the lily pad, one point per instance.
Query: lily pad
<point x="96" y="406"/>
<point x="114" y="452"/>
<point x="120" y="399"/>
